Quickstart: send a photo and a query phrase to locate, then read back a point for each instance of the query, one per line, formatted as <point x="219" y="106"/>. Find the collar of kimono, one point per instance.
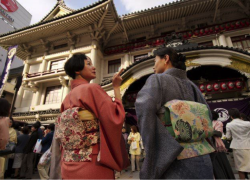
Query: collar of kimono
<point x="177" y="73"/>
<point x="77" y="82"/>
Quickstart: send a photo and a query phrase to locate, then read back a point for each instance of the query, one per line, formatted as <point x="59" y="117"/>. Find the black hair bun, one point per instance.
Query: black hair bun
<point x="181" y="57"/>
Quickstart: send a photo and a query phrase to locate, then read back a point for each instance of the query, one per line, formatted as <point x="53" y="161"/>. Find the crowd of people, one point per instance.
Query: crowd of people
<point x="17" y="157"/>
<point x="177" y="136"/>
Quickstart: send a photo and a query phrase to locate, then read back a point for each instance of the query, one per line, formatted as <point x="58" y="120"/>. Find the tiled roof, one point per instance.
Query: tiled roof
<point x="57" y="18"/>
<point x="179" y="51"/>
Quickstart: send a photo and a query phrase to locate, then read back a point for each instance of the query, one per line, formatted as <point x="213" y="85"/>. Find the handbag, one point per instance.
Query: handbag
<point x="38" y="146"/>
<point x="46" y="157"/>
<point x="134" y="145"/>
<point x="10" y="148"/>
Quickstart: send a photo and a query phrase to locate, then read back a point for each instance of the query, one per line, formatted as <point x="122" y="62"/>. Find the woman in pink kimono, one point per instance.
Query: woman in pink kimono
<point x="89" y="128"/>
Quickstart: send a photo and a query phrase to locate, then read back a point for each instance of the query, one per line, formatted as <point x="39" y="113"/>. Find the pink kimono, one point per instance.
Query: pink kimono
<point x="104" y="140"/>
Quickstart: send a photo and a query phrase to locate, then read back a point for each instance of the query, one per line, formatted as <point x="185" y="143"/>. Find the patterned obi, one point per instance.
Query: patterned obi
<point x="189" y="123"/>
<point x="78" y="131"/>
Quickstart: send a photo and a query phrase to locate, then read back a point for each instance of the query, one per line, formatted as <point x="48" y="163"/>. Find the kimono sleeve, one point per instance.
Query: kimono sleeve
<point x="111" y="116"/>
<point x="160" y="147"/>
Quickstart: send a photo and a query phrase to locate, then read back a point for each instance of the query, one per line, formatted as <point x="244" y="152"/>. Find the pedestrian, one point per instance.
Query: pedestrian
<point x="28" y="159"/>
<point x="135" y="151"/>
<point x="40" y="131"/>
<point x="43" y="170"/>
<point x="12" y="142"/>
<point x="90" y="124"/>
<point x="238" y="131"/>
<point x="22" y="141"/>
<point x="4" y="131"/>
<point x="221" y="165"/>
<point x="170" y="83"/>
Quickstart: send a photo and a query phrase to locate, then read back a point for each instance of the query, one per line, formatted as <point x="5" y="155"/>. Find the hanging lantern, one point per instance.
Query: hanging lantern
<point x="222" y="26"/>
<point x="217" y="28"/>
<point x="211" y="29"/>
<point x="239" y="84"/>
<point x="216" y="86"/>
<point x="196" y="32"/>
<point x="247" y="22"/>
<point x="232" y="25"/>
<point x="185" y="35"/>
<point x="209" y="87"/>
<point x="237" y="23"/>
<point x="223" y="86"/>
<point x="202" y="88"/>
<point x="202" y="31"/>
<point x="242" y="23"/>
<point x="206" y="30"/>
<point x="230" y="85"/>
<point x="228" y="26"/>
<point x="190" y="34"/>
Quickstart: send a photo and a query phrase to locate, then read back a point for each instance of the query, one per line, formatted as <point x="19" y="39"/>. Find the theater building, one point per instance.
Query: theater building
<point x="214" y="36"/>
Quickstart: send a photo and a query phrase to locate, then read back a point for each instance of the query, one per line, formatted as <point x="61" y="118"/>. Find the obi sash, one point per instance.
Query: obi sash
<point x="78" y="131"/>
<point x="189" y="123"/>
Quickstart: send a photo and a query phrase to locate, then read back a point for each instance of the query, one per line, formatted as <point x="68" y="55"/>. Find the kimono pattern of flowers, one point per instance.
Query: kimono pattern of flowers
<point x="191" y="125"/>
<point x="76" y="136"/>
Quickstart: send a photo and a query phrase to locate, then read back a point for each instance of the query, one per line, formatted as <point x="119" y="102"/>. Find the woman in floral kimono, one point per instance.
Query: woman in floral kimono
<point x="169" y="82"/>
<point x="89" y="129"/>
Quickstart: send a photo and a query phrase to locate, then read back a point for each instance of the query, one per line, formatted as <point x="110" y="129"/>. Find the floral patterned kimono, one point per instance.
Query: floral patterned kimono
<point x="89" y="134"/>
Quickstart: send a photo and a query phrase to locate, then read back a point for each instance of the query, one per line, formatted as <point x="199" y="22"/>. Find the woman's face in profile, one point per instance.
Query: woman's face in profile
<point x="159" y="66"/>
<point x="89" y="71"/>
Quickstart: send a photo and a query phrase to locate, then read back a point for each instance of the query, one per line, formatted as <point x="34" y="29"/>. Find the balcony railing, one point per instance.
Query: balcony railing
<point x="49" y="72"/>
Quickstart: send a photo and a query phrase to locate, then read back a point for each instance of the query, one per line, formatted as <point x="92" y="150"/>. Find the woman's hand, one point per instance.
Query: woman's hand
<point x="117" y="79"/>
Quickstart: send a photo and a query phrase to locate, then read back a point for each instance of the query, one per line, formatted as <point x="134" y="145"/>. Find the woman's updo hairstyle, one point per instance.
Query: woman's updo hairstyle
<point x="177" y="60"/>
<point x="74" y="64"/>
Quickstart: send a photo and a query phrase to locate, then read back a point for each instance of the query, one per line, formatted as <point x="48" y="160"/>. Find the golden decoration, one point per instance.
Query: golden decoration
<point x="127" y="83"/>
<point x="189" y="63"/>
<point x="240" y="65"/>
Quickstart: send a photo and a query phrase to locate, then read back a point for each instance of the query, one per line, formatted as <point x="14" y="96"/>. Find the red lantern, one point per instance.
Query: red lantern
<point x="206" y="30"/>
<point x="202" y="88"/>
<point x="211" y="29"/>
<point x="202" y="31"/>
<point x="238" y="84"/>
<point x="222" y="26"/>
<point x="185" y="35"/>
<point x="237" y="23"/>
<point x="196" y="32"/>
<point x="190" y="34"/>
<point x="217" y="28"/>
<point x="216" y="86"/>
<point x="242" y="23"/>
<point x="247" y="22"/>
<point x="223" y="86"/>
<point x="228" y="26"/>
<point x="230" y="85"/>
<point x="232" y="25"/>
<point x="209" y="87"/>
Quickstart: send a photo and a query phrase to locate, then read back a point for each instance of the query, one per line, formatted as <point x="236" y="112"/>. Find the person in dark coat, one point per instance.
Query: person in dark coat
<point x="170" y="82"/>
<point x="40" y="131"/>
<point x="43" y="170"/>
<point x="22" y="141"/>
<point x="28" y="159"/>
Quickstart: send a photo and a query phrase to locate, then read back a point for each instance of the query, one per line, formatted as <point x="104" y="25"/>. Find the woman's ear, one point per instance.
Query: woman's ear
<point x="166" y="59"/>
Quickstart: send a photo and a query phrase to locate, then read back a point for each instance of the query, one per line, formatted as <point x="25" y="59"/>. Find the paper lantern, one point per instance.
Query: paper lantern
<point x="230" y="85"/>
<point x="216" y="86"/>
<point x="239" y="84"/>
<point x="223" y="86"/>
<point x="206" y="30"/>
<point x="209" y="87"/>
<point x="202" y="88"/>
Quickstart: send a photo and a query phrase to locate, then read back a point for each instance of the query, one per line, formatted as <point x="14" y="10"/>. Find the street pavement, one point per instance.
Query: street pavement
<point x="135" y="175"/>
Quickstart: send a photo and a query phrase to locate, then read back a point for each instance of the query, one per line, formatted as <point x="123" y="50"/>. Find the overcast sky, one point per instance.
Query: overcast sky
<point x="40" y="8"/>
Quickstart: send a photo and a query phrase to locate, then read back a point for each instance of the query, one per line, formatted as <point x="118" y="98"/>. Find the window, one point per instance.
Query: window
<point x="139" y="57"/>
<point x="57" y="65"/>
<point x="242" y="42"/>
<point x="206" y="44"/>
<point x="114" y="66"/>
<point x="60" y="46"/>
<point x="53" y="95"/>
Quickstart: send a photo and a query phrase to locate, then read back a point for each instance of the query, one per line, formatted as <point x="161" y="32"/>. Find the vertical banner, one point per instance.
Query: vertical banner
<point x="10" y="57"/>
